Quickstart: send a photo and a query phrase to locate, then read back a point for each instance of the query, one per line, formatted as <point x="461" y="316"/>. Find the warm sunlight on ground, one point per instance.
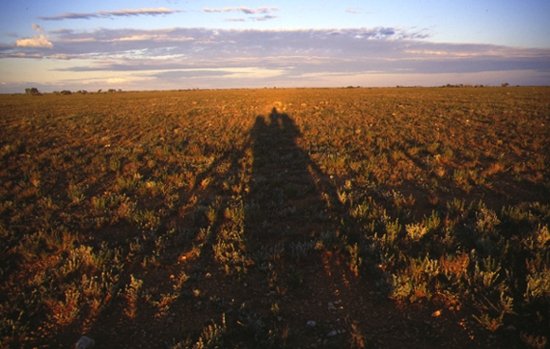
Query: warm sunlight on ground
<point x="284" y="174"/>
<point x="276" y="217"/>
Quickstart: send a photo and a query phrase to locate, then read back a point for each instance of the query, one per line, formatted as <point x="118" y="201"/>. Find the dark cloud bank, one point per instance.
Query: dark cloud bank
<point x="277" y="57"/>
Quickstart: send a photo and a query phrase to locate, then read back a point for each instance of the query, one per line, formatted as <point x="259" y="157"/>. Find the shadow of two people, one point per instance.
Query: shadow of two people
<point x="290" y="197"/>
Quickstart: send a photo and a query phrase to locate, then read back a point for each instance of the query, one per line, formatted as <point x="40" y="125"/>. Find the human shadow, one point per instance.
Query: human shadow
<point x="285" y="202"/>
<point x="299" y="230"/>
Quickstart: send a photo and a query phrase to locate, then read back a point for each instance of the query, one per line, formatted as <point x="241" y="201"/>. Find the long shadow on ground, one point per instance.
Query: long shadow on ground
<point x="305" y="241"/>
<point x="265" y="255"/>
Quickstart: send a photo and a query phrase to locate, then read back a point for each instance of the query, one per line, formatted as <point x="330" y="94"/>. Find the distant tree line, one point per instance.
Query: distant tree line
<point x="504" y="84"/>
<point x="32" y="91"/>
<point x="462" y="85"/>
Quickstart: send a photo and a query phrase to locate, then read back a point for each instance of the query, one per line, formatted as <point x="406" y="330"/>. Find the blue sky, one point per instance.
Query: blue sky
<point x="171" y="44"/>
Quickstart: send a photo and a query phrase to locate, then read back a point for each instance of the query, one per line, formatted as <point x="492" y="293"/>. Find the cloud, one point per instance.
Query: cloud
<point x="264" y="18"/>
<point x="243" y="9"/>
<point x="153" y="37"/>
<point x="111" y="14"/>
<point x="252" y="19"/>
<point x="201" y="57"/>
<point x="387" y="46"/>
<point x="235" y="20"/>
<point x="354" y="10"/>
<point x="259" y="14"/>
<point x="224" y="72"/>
<point x="37" y="41"/>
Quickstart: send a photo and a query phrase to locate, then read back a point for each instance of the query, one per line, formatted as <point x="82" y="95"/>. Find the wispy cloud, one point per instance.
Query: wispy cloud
<point x="150" y="37"/>
<point x="223" y="72"/>
<point x="264" y="18"/>
<point x="38" y="41"/>
<point x="235" y="19"/>
<point x="252" y="19"/>
<point x="243" y="9"/>
<point x="259" y="14"/>
<point x="354" y="10"/>
<point x="110" y="14"/>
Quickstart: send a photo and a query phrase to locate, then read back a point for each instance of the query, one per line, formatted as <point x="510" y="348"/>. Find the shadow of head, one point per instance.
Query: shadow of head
<point x="277" y="124"/>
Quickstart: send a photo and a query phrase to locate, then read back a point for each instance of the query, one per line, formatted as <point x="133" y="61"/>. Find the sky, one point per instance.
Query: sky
<point x="173" y="44"/>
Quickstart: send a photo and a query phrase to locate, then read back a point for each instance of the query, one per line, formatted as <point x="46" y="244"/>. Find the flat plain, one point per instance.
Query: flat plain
<point x="362" y="218"/>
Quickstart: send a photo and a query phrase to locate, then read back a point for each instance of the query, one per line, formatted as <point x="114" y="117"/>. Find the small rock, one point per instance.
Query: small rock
<point x="332" y="333"/>
<point x="311" y="323"/>
<point x="331" y="306"/>
<point x="84" y="343"/>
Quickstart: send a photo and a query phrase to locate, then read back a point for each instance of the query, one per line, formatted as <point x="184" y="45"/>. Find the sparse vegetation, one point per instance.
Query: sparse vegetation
<point x="269" y="218"/>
